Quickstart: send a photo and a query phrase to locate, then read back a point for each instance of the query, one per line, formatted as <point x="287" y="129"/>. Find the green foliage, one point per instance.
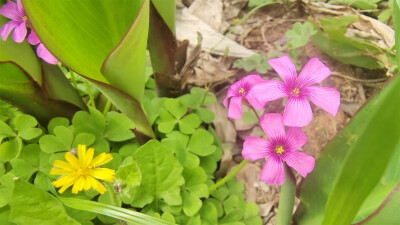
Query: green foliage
<point x="360" y="4"/>
<point x="254" y="3"/>
<point x="26" y="195"/>
<point x="332" y="39"/>
<point x="300" y="34"/>
<point x="351" y="170"/>
<point x="257" y="62"/>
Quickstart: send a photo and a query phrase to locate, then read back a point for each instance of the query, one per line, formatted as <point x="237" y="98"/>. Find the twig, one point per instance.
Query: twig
<point x="338" y="74"/>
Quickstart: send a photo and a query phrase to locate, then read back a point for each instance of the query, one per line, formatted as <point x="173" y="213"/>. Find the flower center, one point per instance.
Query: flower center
<point x="279" y="149"/>
<point x="24" y="18"/>
<point x="295" y="92"/>
<point x="81" y="171"/>
<point x="242" y="91"/>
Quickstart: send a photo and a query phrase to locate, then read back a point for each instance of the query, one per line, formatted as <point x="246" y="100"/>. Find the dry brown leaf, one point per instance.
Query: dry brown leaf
<point x="223" y="126"/>
<point x="249" y="175"/>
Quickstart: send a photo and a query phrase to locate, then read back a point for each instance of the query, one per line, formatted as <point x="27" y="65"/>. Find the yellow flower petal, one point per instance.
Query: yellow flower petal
<point x="81" y="153"/>
<point x="62" y="165"/>
<point x="87" y="184"/>
<point x="58" y="171"/>
<point x="89" y="157"/>
<point x="73" y="161"/>
<point x="98" y="186"/>
<point x="65" y="182"/>
<point x="78" y="185"/>
<point x="101" y="159"/>
<point x="103" y="174"/>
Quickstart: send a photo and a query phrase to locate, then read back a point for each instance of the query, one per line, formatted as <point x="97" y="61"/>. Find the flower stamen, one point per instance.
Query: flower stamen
<point x="295" y="92"/>
<point x="242" y="91"/>
<point x="24" y="18"/>
<point x="279" y="149"/>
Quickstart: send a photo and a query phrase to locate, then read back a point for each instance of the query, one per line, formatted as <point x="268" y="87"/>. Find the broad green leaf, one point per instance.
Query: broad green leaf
<point x="396" y="25"/>
<point x="83" y="139"/>
<point x="166" y="122"/>
<point x="93" y="123"/>
<point x="22" y="169"/>
<point x="206" y="115"/>
<point x="19" y="89"/>
<point x="94" y="29"/>
<point x="175" y="107"/>
<point x="189" y="123"/>
<point x="129" y="173"/>
<point x="50" y="144"/>
<point x="119" y="128"/>
<point x="209" y="213"/>
<point x="5" y="131"/>
<point x="30" y="205"/>
<point x="125" y="66"/>
<point x="350" y="167"/>
<point x="191" y="203"/>
<point x="166" y="8"/>
<point x="25" y="125"/>
<point x="58" y="121"/>
<point x="58" y="87"/>
<point x="10" y="149"/>
<point x="389" y="214"/>
<point x="161" y="174"/>
<point x="22" y="54"/>
<point x="201" y="143"/>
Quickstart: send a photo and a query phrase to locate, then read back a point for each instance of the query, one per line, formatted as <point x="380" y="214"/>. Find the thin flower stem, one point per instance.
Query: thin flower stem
<point x="206" y="90"/>
<point x="107" y="108"/>
<point x="89" y="92"/>
<point x="286" y="201"/>
<point x="255" y="112"/>
<point x="228" y="176"/>
<point x="114" y="199"/>
<point x="73" y="79"/>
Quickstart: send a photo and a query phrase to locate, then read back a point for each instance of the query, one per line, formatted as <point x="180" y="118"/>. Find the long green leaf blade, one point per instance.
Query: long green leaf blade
<point x="113" y="211"/>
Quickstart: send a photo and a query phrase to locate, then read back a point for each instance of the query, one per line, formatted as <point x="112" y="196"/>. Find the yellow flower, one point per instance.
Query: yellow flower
<point x="82" y="172"/>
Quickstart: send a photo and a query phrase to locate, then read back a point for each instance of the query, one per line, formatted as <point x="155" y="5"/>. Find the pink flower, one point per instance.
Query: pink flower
<point x="298" y="111"/>
<point x="19" y="23"/>
<point x="242" y="89"/>
<point x="280" y="146"/>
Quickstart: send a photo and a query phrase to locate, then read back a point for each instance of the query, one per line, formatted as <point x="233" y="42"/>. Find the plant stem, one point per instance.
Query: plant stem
<point x="286" y="201"/>
<point x="107" y="108"/>
<point x="89" y="92"/>
<point x="255" y="112"/>
<point x="206" y="90"/>
<point x="228" y="176"/>
<point x="114" y="199"/>
<point x="73" y="79"/>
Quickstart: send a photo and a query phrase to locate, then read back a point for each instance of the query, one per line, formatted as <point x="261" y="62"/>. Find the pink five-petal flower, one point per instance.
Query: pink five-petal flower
<point x="43" y="53"/>
<point x="298" y="111"/>
<point x="242" y="89"/>
<point x="280" y="147"/>
<point x="18" y="23"/>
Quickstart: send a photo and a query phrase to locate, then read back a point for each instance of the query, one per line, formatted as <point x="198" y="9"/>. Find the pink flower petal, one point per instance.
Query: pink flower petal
<point x="255" y="148"/>
<point x="33" y="39"/>
<point x="251" y="79"/>
<point x="313" y="72"/>
<point x="20" y="8"/>
<point x="298" y="112"/>
<point x="273" y="172"/>
<point x="272" y="124"/>
<point x="269" y="90"/>
<point x="43" y="53"/>
<point x="7" y="28"/>
<point x="296" y="138"/>
<point x="10" y="10"/>
<point x="324" y="97"/>
<point x="20" y="32"/>
<point x="235" y="108"/>
<point x="254" y="100"/>
<point x="285" y="69"/>
<point x="300" y="161"/>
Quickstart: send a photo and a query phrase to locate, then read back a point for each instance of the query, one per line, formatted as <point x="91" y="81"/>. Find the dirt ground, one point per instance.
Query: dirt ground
<point x="262" y="32"/>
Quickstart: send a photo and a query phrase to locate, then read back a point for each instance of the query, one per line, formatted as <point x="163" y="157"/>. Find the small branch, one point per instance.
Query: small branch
<point x="334" y="73"/>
